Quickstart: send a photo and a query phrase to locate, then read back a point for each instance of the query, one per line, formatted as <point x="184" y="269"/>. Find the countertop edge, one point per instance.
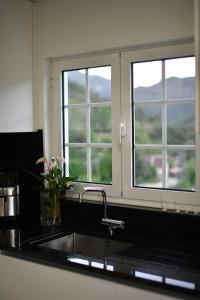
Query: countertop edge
<point x="98" y="273"/>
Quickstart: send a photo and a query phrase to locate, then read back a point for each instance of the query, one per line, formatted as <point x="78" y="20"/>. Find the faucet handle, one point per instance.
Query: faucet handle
<point x="113" y="223"/>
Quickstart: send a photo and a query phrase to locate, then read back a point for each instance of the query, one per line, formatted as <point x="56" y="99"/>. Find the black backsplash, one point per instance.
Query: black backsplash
<point x="152" y="224"/>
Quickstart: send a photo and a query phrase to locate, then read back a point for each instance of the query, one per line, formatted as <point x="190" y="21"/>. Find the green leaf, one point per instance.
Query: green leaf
<point x="46" y="176"/>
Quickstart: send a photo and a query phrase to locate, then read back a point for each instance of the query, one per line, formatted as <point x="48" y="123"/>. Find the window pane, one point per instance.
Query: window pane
<point x="101" y="125"/>
<point x="180" y="78"/>
<point x="78" y="162"/>
<point x="88" y="119"/>
<point x="148" y="168"/>
<point x="74" y="87"/>
<point x="181" y="169"/>
<point x="181" y="124"/>
<point x="76" y="119"/>
<point x="147" y="80"/>
<point x="148" y="124"/>
<point x="102" y="165"/>
<point x="100" y="84"/>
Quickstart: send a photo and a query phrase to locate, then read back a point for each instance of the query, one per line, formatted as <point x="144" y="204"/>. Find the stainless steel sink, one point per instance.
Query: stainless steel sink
<point x="81" y="244"/>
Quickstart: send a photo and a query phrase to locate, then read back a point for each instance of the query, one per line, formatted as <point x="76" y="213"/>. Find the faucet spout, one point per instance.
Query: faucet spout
<point x="95" y="189"/>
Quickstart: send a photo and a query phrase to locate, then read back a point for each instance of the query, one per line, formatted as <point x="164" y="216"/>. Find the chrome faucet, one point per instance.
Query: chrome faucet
<point x="112" y="224"/>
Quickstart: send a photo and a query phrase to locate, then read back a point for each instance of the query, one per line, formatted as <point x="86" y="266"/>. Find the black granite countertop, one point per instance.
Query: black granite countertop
<point x="142" y="261"/>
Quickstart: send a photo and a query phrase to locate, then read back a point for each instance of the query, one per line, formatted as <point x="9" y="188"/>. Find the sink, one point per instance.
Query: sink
<point x="86" y="245"/>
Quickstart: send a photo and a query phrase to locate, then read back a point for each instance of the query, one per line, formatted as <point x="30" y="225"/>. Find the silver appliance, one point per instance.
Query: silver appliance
<point x="10" y="237"/>
<point x="9" y="195"/>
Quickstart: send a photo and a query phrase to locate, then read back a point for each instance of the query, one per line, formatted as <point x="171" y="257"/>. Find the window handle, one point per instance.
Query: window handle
<point x="122" y="131"/>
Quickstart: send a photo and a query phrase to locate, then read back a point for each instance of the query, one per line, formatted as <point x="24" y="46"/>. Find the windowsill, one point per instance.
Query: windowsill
<point x="167" y="207"/>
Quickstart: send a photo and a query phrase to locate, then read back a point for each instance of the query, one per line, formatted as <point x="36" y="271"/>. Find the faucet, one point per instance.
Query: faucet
<point x="112" y="224"/>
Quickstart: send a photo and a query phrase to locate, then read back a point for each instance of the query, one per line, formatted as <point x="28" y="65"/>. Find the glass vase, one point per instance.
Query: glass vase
<point x="50" y="211"/>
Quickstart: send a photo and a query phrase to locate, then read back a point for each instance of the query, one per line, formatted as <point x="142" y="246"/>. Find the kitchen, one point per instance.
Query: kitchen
<point x="35" y="37"/>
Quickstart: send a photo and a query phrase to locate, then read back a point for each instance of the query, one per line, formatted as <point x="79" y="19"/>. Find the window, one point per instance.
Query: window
<point x="163" y="95"/>
<point x="159" y="151"/>
<point x="128" y="123"/>
<point x="89" y="90"/>
<point x="87" y="123"/>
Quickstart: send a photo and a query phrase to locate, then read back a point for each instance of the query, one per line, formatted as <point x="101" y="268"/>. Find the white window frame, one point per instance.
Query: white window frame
<point x="121" y="190"/>
<point x="58" y="66"/>
<point x="160" y="196"/>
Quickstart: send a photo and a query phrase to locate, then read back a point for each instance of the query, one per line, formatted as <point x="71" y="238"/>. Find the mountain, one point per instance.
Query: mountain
<point x="176" y="88"/>
<point x="99" y="85"/>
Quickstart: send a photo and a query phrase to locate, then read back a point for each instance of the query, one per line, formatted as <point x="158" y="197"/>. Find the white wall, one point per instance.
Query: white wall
<point x="16" y="66"/>
<point x="66" y="27"/>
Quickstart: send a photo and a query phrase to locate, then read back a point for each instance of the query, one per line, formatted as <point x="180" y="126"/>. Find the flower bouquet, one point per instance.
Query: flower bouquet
<point x="55" y="183"/>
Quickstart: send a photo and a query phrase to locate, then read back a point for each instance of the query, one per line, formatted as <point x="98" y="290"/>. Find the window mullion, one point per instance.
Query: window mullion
<point x="65" y="116"/>
<point x="88" y="128"/>
<point x="148" y="146"/>
<point x="89" y="170"/>
<point x="164" y="129"/>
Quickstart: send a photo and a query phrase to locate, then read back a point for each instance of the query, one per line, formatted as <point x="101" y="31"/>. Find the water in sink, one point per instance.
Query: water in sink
<point x="80" y="244"/>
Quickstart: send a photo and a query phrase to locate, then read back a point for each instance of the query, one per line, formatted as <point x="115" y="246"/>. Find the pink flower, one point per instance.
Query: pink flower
<point x="41" y="160"/>
<point x="52" y="165"/>
<point x="60" y="160"/>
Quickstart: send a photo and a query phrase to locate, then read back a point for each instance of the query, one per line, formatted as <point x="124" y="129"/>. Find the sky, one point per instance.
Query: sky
<point x="149" y="73"/>
<point x="104" y="72"/>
